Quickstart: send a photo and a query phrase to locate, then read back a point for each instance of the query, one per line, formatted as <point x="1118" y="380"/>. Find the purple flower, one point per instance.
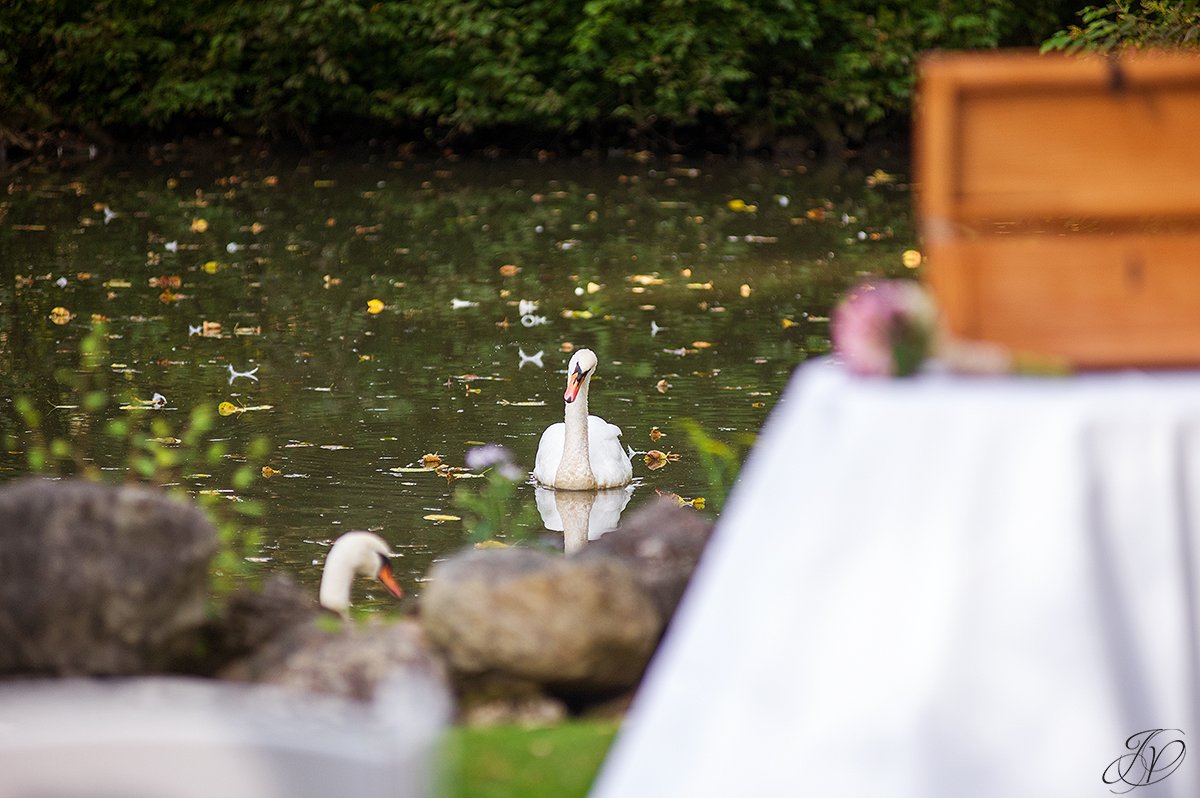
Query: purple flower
<point x="884" y="328"/>
<point x="493" y="454"/>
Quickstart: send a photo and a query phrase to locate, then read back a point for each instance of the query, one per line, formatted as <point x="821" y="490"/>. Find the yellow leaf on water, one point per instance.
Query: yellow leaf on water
<point x="211" y="267"/>
<point x="269" y="472"/>
<point x="645" y="279"/>
<point x="656" y="433"/>
<point x="439" y="517"/>
<point x="787" y="323"/>
<point x="492" y="544"/>
<point x="431" y="460"/>
<point x="228" y="408"/>
<point x="374" y="306"/>
<point x="199" y="225"/>
<point x="662" y="386"/>
<point x="911" y="258"/>
<point x="60" y="315"/>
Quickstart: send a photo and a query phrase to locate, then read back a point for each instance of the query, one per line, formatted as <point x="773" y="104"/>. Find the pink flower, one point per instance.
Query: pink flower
<point x="884" y="328"/>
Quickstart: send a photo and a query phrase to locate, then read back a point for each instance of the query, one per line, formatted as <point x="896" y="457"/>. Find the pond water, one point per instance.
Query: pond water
<point x="378" y="299"/>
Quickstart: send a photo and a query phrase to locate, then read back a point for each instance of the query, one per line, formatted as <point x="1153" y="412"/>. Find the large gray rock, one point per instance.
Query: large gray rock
<point x="327" y="655"/>
<point x="97" y="579"/>
<point x="576" y="626"/>
<point x="661" y="543"/>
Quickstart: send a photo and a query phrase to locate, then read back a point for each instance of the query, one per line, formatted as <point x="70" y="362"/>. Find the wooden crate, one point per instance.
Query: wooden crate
<point x="1059" y="202"/>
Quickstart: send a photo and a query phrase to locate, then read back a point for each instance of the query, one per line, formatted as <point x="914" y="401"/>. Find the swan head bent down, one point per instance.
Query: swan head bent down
<point x="355" y="554"/>
<point x="583" y="452"/>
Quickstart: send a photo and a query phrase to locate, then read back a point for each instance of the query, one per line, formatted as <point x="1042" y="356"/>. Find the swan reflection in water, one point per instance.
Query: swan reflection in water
<point x="581" y="515"/>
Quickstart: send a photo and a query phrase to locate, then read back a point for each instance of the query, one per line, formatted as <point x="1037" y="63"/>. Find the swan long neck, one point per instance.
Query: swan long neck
<point x="335" y="589"/>
<point x="575" y="468"/>
<point x="336" y="580"/>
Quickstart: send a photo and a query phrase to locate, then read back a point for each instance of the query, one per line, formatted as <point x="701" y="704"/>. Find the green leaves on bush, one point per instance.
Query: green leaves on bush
<point x="619" y="69"/>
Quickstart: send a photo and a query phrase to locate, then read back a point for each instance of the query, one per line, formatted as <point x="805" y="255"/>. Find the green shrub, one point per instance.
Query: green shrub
<point x="1149" y="23"/>
<point x="618" y="69"/>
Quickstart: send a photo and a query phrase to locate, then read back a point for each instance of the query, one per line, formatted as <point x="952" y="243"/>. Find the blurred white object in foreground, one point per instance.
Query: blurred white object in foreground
<point x="165" y="737"/>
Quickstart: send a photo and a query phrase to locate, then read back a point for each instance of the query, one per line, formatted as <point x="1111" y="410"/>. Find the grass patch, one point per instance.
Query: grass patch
<point x="515" y="762"/>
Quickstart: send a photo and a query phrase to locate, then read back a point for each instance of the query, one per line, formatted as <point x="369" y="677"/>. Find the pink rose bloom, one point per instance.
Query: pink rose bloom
<point x="884" y="328"/>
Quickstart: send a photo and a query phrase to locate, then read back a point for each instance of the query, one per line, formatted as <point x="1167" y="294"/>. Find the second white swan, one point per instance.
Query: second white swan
<point x="582" y="452"/>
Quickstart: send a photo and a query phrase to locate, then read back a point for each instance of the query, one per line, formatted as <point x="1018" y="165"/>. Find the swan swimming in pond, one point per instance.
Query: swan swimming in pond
<point x="583" y="452"/>
<point x="355" y="554"/>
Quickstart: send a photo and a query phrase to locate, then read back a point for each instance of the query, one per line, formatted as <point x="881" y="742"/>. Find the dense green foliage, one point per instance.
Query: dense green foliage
<point x="601" y="71"/>
<point x="1122" y="23"/>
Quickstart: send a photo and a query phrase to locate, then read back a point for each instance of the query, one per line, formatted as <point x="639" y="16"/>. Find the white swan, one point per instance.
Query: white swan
<point x="355" y="554"/>
<point x="584" y="452"/>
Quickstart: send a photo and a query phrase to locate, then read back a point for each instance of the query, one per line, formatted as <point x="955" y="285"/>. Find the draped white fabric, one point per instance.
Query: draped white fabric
<point x="941" y="586"/>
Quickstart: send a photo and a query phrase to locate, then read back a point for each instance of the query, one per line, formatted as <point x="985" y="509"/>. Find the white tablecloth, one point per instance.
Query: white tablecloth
<point x="941" y="586"/>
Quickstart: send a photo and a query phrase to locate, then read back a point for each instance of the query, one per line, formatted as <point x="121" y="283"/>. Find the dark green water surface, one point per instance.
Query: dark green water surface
<point x="712" y="279"/>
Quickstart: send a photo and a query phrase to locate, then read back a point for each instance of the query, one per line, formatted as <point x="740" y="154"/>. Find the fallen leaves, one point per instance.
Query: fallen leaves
<point x="655" y="459"/>
<point x="230" y="409"/>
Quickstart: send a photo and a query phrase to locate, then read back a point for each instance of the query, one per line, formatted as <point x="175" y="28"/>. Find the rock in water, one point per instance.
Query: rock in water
<point x="347" y="660"/>
<point x="99" y="580"/>
<point x="574" y="626"/>
<point x="661" y="543"/>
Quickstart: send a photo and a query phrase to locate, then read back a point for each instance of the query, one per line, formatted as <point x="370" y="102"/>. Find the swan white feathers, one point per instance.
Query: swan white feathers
<point x="355" y="554"/>
<point x="582" y="452"/>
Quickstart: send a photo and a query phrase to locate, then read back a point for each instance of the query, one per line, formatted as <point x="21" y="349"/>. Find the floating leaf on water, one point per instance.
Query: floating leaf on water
<point x="492" y="544"/>
<point x="880" y="178"/>
<point x="167" y="441"/>
<point x="374" y="306"/>
<point x="656" y="433"/>
<point x="509" y="270"/>
<point x="566" y="346"/>
<point x="60" y="315"/>
<point x="787" y="323"/>
<point x="756" y="239"/>
<point x="331" y="281"/>
<point x="411" y="469"/>
<point x="332" y="447"/>
<point x="199" y="225"/>
<point x="741" y="206"/>
<point x="30" y="228"/>
<point x="700" y="286"/>
<point x="701" y="344"/>
<point x="431" y="460"/>
<point x="577" y="314"/>
<point x="166" y="281"/>
<point x="656" y="459"/>
<point x="593" y="287"/>
<point x="645" y="279"/>
<point x="117" y="282"/>
<point x="211" y="267"/>
<point x="744" y="290"/>
<point x="662" y="386"/>
<point x="440" y="517"/>
<point x="911" y="258"/>
<point x="269" y="472"/>
<point x="228" y="408"/>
